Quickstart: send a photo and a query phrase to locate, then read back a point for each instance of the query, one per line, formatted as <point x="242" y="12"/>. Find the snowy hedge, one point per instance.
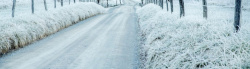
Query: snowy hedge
<point x="191" y="42"/>
<point x="24" y="29"/>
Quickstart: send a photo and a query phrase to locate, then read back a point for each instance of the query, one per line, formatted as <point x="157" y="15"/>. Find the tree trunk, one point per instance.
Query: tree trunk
<point x="54" y="3"/>
<point x="182" y="11"/>
<point x="107" y="3"/>
<point x="45" y="5"/>
<point x="162" y="4"/>
<point x="237" y="15"/>
<point x="171" y="5"/>
<point x="61" y="2"/>
<point x="167" y="4"/>
<point x="13" y="8"/>
<point x="98" y="1"/>
<point x="74" y="1"/>
<point x="141" y="1"/>
<point x="32" y="6"/>
<point x="204" y="3"/>
<point x="69" y="2"/>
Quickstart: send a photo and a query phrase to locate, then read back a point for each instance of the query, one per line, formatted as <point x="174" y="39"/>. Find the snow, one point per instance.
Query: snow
<point x="191" y="42"/>
<point x="99" y="42"/>
<point x="25" y="28"/>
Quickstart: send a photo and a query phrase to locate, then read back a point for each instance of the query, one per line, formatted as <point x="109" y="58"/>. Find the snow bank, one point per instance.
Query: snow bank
<point x="24" y="29"/>
<point x="169" y="41"/>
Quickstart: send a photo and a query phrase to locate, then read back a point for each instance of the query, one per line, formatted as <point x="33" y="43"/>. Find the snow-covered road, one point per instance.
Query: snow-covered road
<point x="107" y="41"/>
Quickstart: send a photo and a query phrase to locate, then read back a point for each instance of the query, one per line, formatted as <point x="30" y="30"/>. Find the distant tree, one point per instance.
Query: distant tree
<point x="167" y="4"/>
<point x="121" y="2"/>
<point x="13" y="8"/>
<point x="61" y="2"/>
<point x="69" y="1"/>
<point x="98" y="1"/>
<point x="237" y="15"/>
<point x="74" y="1"/>
<point x="141" y="1"/>
<point x="162" y="4"/>
<point x="171" y="5"/>
<point x="45" y="5"/>
<point x="182" y="11"/>
<point x="54" y="3"/>
<point x="204" y="3"/>
<point x="32" y="6"/>
<point x="107" y="3"/>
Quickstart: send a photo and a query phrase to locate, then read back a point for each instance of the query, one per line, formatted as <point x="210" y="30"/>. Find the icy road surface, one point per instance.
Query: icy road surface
<point x="107" y="41"/>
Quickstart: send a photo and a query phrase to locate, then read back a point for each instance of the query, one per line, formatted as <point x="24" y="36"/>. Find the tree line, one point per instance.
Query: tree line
<point x="237" y="14"/>
<point x="32" y="5"/>
<point x="55" y="4"/>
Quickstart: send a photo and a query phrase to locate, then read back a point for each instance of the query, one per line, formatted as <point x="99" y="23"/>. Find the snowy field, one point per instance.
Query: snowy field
<point x="26" y="28"/>
<point x="192" y="42"/>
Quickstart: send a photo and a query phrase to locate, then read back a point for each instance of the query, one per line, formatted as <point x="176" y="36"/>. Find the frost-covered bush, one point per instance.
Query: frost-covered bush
<point x="170" y="42"/>
<point x="24" y="29"/>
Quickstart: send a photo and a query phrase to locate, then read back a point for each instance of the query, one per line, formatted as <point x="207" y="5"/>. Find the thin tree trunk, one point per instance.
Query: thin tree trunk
<point x="69" y="1"/>
<point x="74" y="1"/>
<point x="13" y="8"/>
<point x="45" y="5"/>
<point x="167" y="4"/>
<point x="54" y="3"/>
<point x="162" y="3"/>
<point x="171" y="4"/>
<point x="32" y="6"/>
<point x="182" y="12"/>
<point x="204" y="2"/>
<point x="61" y="2"/>
<point x="237" y="15"/>
<point x="141" y="1"/>
<point x="107" y="3"/>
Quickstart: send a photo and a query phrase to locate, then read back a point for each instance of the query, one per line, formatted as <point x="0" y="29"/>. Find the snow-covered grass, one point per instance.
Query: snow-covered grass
<point x="191" y="42"/>
<point x="26" y="28"/>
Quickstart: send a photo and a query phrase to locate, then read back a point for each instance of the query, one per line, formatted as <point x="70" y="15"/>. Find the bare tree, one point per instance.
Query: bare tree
<point x="161" y="3"/>
<point x="13" y="8"/>
<point x="54" y="3"/>
<point x="98" y="1"/>
<point x="32" y="6"/>
<point x="237" y="15"/>
<point x="204" y="3"/>
<point x="182" y="11"/>
<point x="121" y="2"/>
<point x="167" y="4"/>
<point x="107" y="3"/>
<point x="171" y="4"/>
<point x="45" y="5"/>
<point x="141" y="1"/>
<point x="69" y="2"/>
<point x="61" y="2"/>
